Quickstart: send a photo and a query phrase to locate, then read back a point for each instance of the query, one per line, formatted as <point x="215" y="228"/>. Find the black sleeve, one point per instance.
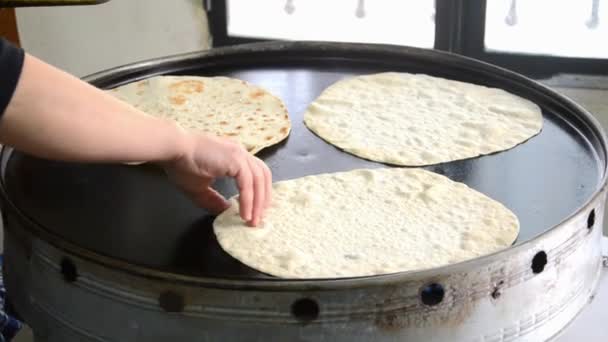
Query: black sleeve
<point x="11" y="62"/>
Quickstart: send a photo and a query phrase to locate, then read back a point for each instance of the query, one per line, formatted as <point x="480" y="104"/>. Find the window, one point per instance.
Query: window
<point x="569" y="28"/>
<point x="538" y="38"/>
<point x="387" y="21"/>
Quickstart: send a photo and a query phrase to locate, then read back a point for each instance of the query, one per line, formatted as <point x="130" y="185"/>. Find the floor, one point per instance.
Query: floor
<point x="594" y="98"/>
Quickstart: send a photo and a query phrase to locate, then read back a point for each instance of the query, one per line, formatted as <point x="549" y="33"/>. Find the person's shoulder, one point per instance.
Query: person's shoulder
<point x="9" y="50"/>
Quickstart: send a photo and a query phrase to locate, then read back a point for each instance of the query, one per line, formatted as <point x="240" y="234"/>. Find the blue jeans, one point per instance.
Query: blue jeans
<point x="9" y="326"/>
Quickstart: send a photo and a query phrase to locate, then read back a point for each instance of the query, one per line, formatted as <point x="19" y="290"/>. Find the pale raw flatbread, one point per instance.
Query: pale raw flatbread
<point x="416" y="119"/>
<point x="367" y="222"/>
<point x="219" y="105"/>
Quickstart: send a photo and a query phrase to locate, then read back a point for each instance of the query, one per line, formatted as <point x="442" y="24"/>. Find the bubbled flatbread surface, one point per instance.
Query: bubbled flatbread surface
<point x="367" y="222"/>
<point x="416" y="119"/>
<point x="219" y="105"/>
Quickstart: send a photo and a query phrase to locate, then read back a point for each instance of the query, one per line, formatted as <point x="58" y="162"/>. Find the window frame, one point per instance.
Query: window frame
<point x="537" y="65"/>
<point x="459" y="28"/>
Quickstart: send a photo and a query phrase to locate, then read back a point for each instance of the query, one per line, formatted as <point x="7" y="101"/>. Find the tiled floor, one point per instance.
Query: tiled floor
<point x="596" y="101"/>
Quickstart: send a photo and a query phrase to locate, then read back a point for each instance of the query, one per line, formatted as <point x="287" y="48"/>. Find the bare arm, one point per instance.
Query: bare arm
<point x="55" y="115"/>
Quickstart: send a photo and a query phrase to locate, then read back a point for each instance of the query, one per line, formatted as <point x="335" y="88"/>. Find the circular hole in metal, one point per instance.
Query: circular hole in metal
<point x="68" y="270"/>
<point x="539" y="261"/>
<point x="305" y="309"/>
<point x="432" y="294"/>
<point x="591" y="219"/>
<point x="171" y="301"/>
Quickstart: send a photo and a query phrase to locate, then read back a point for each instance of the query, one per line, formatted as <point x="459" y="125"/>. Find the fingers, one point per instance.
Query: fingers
<point x="254" y="181"/>
<point x="212" y="201"/>
<point x="268" y="183"/>
<point x="244" y="181"/>
<point x="259" y="190"/>
<point x="227" y="158"/>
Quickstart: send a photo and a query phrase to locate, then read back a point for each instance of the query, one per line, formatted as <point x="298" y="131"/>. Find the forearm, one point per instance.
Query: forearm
<point x="55" y="115"/>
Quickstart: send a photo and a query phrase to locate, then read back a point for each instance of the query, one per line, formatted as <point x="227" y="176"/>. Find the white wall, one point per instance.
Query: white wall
<point x="88" y="39"/>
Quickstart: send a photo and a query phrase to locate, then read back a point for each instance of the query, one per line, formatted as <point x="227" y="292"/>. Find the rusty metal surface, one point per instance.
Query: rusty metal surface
<point x="531" y="306"/>
<point x="589" y="325"/>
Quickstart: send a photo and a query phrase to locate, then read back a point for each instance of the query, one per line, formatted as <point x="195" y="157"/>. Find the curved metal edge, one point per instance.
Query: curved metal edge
<point x="605" y="251"/>
<point x="565" y="328"/>
<point x="318" y="284"/>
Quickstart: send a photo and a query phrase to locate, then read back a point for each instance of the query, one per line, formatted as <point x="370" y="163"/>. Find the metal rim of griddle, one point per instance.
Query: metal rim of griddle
<point x="257" y="52"/>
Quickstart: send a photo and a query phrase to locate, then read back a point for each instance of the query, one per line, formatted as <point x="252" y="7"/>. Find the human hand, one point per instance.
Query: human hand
<point x="206" y="157"/>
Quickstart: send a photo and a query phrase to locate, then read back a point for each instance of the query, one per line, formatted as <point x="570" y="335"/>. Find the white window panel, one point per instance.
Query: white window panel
<point x="567" y="28"/>
<point x="397" y="22"/>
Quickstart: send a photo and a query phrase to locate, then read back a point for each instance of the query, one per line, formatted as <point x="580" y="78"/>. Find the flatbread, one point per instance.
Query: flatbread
<point x="415" y="119"/>
<point x="367" y="222"/>
<point x="219" y="105"/>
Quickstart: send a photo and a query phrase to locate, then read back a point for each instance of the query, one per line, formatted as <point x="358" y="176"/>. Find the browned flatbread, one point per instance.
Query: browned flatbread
<point x="220" y="105"/>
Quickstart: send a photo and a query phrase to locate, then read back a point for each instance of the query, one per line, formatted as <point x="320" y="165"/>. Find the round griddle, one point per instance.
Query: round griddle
<point x="134" y="215"/>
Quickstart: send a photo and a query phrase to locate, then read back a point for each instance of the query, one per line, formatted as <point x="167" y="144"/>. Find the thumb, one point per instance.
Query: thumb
<point x="211" y="200"/>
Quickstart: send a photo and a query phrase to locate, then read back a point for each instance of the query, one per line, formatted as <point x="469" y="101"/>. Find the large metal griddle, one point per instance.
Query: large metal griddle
<point x="134" y="216"/>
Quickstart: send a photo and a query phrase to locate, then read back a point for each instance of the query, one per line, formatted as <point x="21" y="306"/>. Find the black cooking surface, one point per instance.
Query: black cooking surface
<point x="134" y="214"/>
